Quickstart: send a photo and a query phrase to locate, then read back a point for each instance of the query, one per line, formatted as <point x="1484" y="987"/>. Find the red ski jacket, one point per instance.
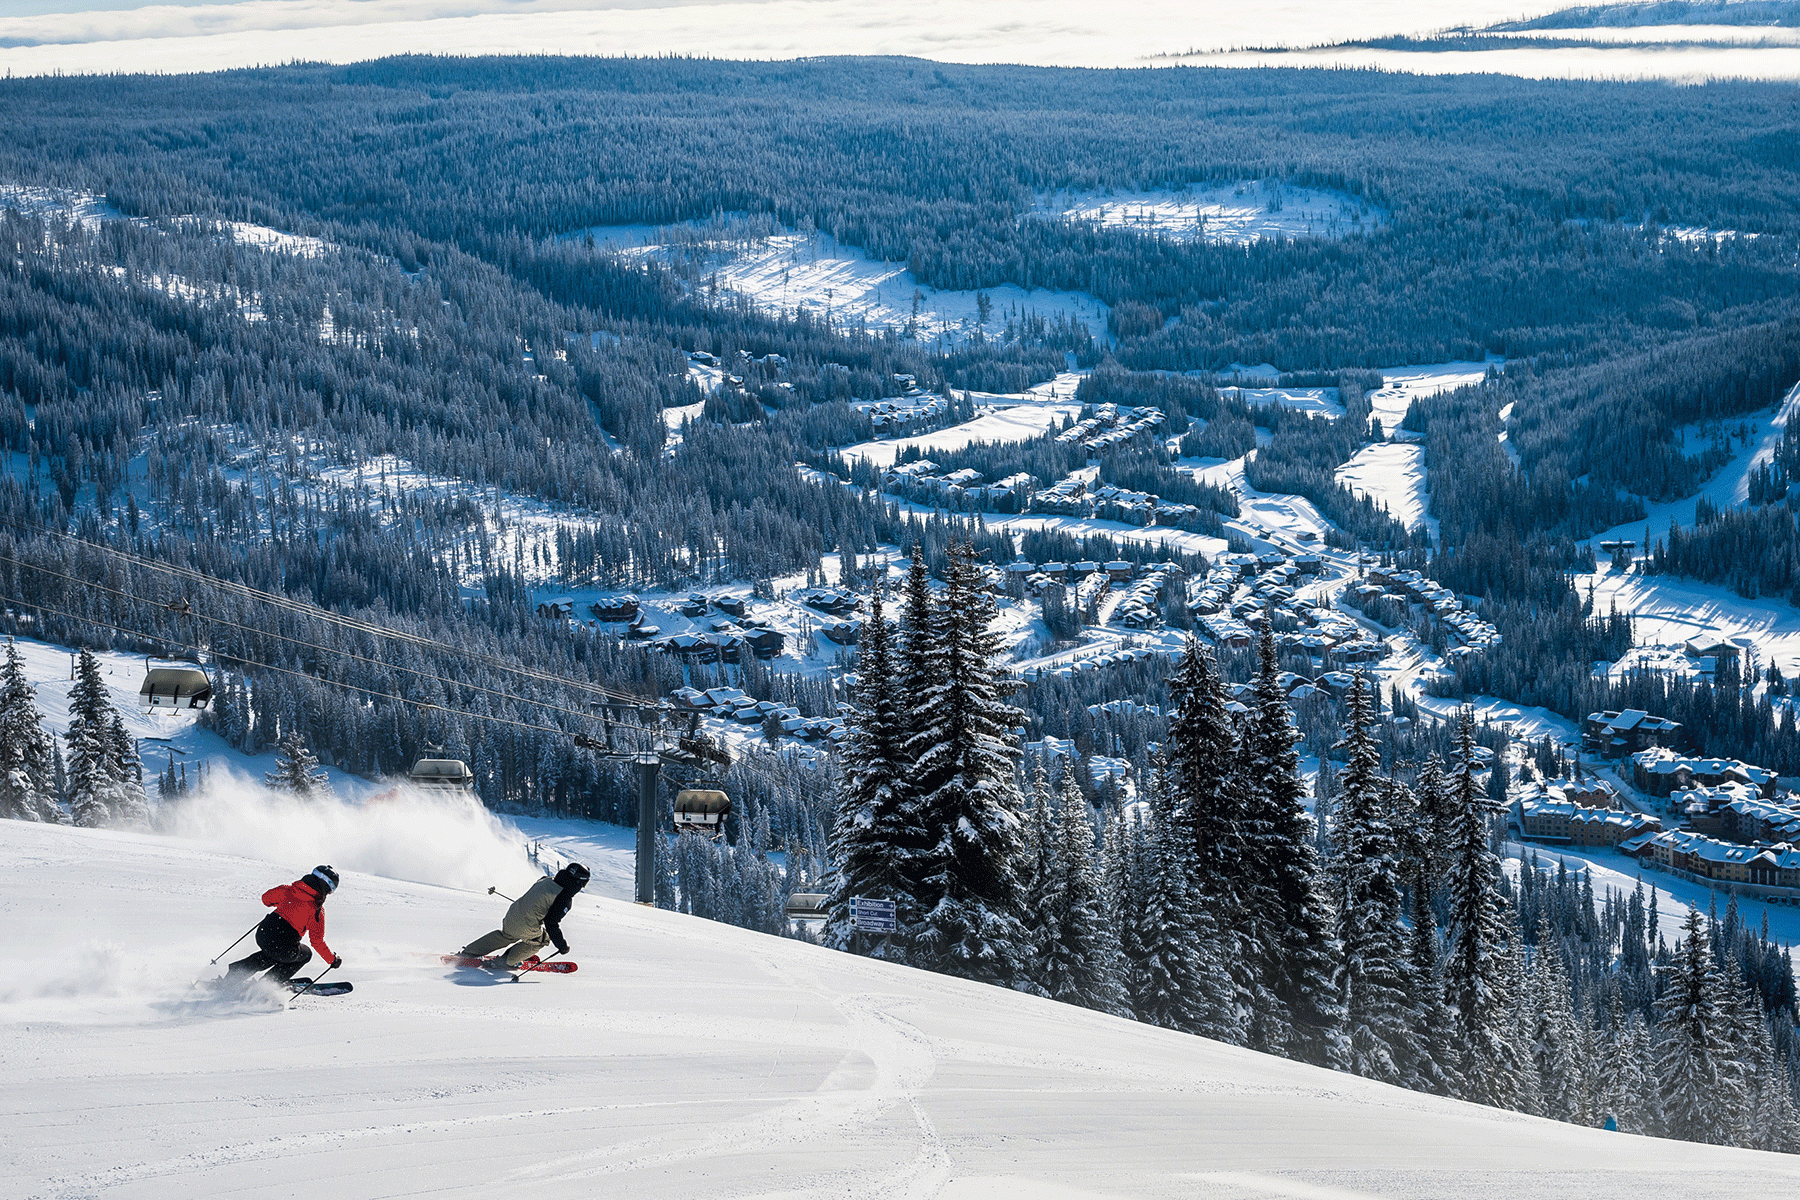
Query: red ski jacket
<point x="302" y="907"/>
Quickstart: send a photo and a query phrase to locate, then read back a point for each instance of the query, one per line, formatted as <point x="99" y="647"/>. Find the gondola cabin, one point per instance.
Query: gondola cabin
<point x="174" y="688"/>
<point x="701" y="810"/>
<point x="442" y="775"/>
<point x="807" y="906"/>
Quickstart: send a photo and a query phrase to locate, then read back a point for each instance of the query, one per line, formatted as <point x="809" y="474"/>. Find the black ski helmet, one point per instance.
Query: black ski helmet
<point x="325" y="875"/>
<point x="572" y="876"/>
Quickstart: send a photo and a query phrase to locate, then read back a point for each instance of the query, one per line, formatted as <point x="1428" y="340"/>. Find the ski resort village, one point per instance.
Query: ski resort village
<point x="678" y="627"/>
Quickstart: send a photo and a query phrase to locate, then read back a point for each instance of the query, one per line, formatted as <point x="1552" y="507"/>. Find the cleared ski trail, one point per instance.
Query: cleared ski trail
<point x="685" y="1059"/>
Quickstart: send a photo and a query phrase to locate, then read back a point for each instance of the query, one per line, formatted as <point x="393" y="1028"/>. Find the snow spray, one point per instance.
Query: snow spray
<point x="440" y="838"/>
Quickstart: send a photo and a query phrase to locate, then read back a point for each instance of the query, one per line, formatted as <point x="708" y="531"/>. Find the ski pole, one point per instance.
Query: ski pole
<point x="310" y="986"/>
<point x="491" y="892"/>
<point x="540" y="963"/>
<point x="233" y="946"/>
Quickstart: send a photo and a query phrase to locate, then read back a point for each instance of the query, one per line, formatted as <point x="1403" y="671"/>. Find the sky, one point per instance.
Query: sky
<point x="44" y="36"/>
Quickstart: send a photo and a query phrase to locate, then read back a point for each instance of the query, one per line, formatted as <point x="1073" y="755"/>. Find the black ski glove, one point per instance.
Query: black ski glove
<point x="562" y="946"/>
<point x="337" y="962"/>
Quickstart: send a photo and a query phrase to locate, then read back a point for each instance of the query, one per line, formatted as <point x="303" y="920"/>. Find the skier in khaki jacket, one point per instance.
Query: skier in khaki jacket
<point x="534" y="920"/>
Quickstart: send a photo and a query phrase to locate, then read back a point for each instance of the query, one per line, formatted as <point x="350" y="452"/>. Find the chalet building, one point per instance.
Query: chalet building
<point x="1618" y="734"/>
<point x="765" y="643"/>
<point x="614" y="608"/>
<point x="1543" y="816"/>
<point x="1721" y="652"/>
<point x="1661" y="772"/>
<point x="1760" y="866"/>
<point x="1757" y="820"/>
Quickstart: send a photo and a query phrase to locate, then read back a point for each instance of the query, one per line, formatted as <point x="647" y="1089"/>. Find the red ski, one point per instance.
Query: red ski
<point x="561" y="966"/>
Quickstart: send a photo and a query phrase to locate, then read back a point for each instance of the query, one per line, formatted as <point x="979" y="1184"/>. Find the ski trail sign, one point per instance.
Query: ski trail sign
<point x="872" y="916"/>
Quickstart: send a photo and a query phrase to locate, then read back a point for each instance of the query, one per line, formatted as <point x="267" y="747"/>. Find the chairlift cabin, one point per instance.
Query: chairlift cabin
<point x="701" y="810"/>
<point x="175" y="688"/>
<point x="807" y="906"/>
<point x="442" y="774"/>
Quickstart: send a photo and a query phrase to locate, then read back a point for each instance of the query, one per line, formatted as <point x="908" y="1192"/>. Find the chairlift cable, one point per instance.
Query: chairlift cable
<point x="452" y="683"/>
<point x="423" y="704"/>
<point x="302" y="608"/>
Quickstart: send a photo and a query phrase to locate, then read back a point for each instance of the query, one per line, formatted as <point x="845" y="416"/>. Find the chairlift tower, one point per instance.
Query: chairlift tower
<point x="649" y="764"/>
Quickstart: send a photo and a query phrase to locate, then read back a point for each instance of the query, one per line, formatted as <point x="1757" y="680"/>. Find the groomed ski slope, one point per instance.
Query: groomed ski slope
<point x="686" y="1059"/>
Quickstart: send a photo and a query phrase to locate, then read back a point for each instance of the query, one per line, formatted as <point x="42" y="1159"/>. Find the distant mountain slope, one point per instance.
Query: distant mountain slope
<point x="1663" y="12"/>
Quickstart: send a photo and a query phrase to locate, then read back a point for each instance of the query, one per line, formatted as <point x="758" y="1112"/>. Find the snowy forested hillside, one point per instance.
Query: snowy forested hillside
<point x="1240" y="455"/>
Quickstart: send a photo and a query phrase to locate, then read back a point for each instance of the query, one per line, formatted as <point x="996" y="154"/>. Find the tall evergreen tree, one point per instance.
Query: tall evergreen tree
<point x="27" y="772"/>
<point x="1700" y="1095"/>
<point x="100" y="789"/>
<point x="1178" y="979"/>
<point x="1125" y="852"/>
<point x="130" y="804"/>
<point x="1436" y="1069"/>
<point x="1475" y="971"/>
<point x="1201" y="752"/>
<point x="1077" y="958"/>
<point x="1209" y="801"/>
<point x="876" y="835"/>
<point x="1299" y="963"/>
<point x="1561" y="1072"/>
<point x="968" y="802"/>
<point x="1373" y="974"/>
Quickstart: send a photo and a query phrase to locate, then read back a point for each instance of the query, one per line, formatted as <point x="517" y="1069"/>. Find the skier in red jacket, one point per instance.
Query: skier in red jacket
<point x="299" y="909"/>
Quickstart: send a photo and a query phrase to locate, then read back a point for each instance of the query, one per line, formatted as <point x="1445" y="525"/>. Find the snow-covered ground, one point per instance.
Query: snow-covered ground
<point x="1729" y="486"/>
<point x="88" y="209"/>
<point x="1243" y="211"/>
<point x="685" y="1059"/>
<point x="1277" y="517"/>
<point x="1018" y="421"/>
<point x="1668" y="611"/>
<point x="788" y="272"/>
<point x="1677" y="63"/>
<point x="1393" y="474"/>
<point x="1322" y="401"/>
<point x="1406" y="384"/>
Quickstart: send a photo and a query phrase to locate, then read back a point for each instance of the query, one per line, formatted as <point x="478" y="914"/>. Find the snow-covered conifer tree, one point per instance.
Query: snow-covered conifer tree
<point x="1043" y="881"/>
<point x="297" y="770"/>
<point x="1178" y="981"/>
<point x="1373" y="973"/>
<point x="1475" y="970"/>
<point x="1299" y="967"/>
<point x="1125" y="850"/>
<point x="130" y="804"/>
<point x="876" y="834"/>
<point x="964" y="746"/>
<point x="1078" y="949"/>
<point x="27" y="772"/>
<point x="1561" y="1073"/>
<point x="1700" y="1094"/>
<point x="1209" y="799"/>
<point x="96" y="789"/>
<point x="1436" y="1070"/>
<point x="1200" y="753"/>
<point x="1434" y="828"/>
